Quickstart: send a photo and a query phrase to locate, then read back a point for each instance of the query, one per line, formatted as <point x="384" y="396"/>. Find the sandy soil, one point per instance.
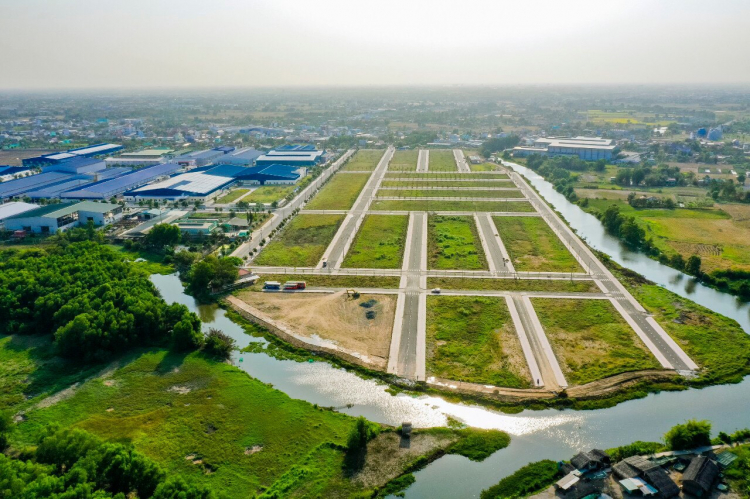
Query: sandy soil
<point x="333" y="317"/>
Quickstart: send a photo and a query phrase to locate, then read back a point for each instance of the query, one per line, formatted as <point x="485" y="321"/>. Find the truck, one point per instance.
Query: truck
<point x="272" y="285"/>
<point x="291" y="285"/>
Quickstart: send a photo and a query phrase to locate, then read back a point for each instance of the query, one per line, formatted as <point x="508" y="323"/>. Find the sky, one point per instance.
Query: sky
<point x="68" y="44"/>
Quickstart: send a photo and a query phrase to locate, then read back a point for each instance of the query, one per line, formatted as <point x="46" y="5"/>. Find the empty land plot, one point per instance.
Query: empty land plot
<point x="379" y="244"/>
<point x="520" y="206"/>
<point x="269" y="193"/>
<point x="453" y="243"/>
<point x="450" y="193"/>
<point x="421" y="183"/>
<point x="404" y="161"/>
<point x="591" y="340"/>
<point x="437" y="175"/>
<point x="330" y="281"/>
<point x="484" y="284"/>
<point x="339" y="193"/>
<point x="232" y="196"/>
<point x="473" y="339"/>
<point x="335" y="317"/>
<point x="364" y="160"/>
<point x="533" y="246"/>
<point x="302" y="242"/>
<point x="442" y="161"/>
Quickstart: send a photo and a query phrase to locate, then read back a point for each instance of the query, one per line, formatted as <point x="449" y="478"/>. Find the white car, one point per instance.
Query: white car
<point x="436" y="291"/>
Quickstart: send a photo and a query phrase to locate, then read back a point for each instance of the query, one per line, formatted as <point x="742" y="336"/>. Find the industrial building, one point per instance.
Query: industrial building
<point x="105" y="189"/>
<point x="194" y="228"/>
<point x="11" y="172"/>
<point x="53" y="217"/>
<point x="242" y="157"/>
<point x="586" y="148"/>
<point x="201" y="158"/>
<point x="14" y="208"/>
<point x="147" y="157"/>
<point x="81" y="152"/>
<point x="291" y="155"/>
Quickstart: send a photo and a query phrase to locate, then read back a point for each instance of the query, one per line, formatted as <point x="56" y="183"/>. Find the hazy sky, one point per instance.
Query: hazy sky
<point x="237" y="43"/>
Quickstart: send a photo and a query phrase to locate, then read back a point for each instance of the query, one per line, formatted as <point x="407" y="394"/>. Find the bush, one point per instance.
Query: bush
<point x="690" y="435"/>
<point x="527" y="480"/>
<point x="218" y="344"/>
<point x="478" y="445"/>
<point x="186" y="336"/>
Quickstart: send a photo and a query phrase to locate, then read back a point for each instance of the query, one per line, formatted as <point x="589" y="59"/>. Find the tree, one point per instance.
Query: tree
<point x="600" y="165"/>
<point x="162" y="235"/>
<point x="690" y="435"/>
<point x="218" y="344"/>
<point x="693" y="265"/>
<point x="177" y="488"/>
<point x="356" y="445"/>
<point x="186" y="336"/>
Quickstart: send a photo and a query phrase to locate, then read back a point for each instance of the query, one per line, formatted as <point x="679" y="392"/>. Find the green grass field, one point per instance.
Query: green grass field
<point x="533" y="246"/>
<point x="339" y="193"/>
<point x="442" y="161"/>
<point x="453" y="193"/>
<point x="453" y="243"/>
<point x="483" y="167"/>
<point x="473" y="339"/>
<point x="379" y="244"/>
<point x="364" y="160"/>
<point x="452" y="175"/>
<point x="591" y="340"/>
<point x="270" y="193"/>
<point x="419" y="184"/>
<point x="563" y="285"/>
<point x="231" y="196"/>
<point x="419" y="205"/>
<point x="332" y="281"/>
<point x="404" y="161"/>
<point x="302" y="242"/>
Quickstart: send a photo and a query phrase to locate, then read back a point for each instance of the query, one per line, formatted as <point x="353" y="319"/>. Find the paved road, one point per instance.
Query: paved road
<point x="659" y="342"/>
<point x="283" y="212"/>
<point x="461" y="163"/>
<point x="454" y="178"/>
<point x="449" y="198"/>
<point x="494" y="252"/>
<point x="452" y="188"/>
<point x="336" y="251"/>
<point x="423" y="161"/>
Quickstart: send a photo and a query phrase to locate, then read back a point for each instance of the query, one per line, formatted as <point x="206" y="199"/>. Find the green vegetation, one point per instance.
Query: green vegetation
<point x="379" y="243"/>
<point x="453" y="243"/>
<point x="738" y="473"/>
<point x="478" y="445"/>
<point x="469" y="339"/>
<point x="212" y="274"/>
<point x="442" y="161"/>
<point x="232" y="196"/>
<point x="526" y="481"/>
<point x="445" y="176"/>
<point x="452" y="193"/>
<point x="419" y="205"/>
<point x="690" y="435"/>
<point x="162" y="236"/>
<point x="561" y="285"/>
<point x="483" y="167"/>
<point x="269" y="193"/>
<point x="637" y="448"/>
<point x="92" y="301"/>
<point x="364" y="160"/>
<point x="533" y="246"/>
<point x="418" y="184"/>
<point x="154" y="263"/>
<point x="339" y="193"/>
<point x="302" y="241"/>
<point x="404" y="161"/>
<point x="332" y="281"/>
<point x="591" y="340"/>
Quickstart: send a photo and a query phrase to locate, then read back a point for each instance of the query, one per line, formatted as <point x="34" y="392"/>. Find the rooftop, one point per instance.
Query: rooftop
<point x="62" y="209"/>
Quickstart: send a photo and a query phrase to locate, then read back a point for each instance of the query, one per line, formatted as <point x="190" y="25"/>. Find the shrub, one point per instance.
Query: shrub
<point x="525" y="481"/>
<point x="690" y="435"/>
<point x="218" y="344"/>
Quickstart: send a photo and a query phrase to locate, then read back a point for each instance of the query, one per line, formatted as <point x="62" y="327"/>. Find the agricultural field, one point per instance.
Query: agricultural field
<point x="379" y="244"/>
<point x="339" y="193"/>
<point x="302" y="241"/>
<point x="446" y="176"/>
<point x="270" y="193"/>
<point x="442" y="161"/>
<point x="492" y="284"/>
<point x="533" y="246"/>
<point x="453" y="193"/>
<point x="426" y="205"/>
<point x="591" y="340"/>
<point x="404" y="161"/>
<point x="624" y="118"/>
<point x="231" y="196"/>
<point x="453" y="244"/>
<point x="473" y="339"/>
<point x="418" y="184"/>
<point x="364" y="160"/>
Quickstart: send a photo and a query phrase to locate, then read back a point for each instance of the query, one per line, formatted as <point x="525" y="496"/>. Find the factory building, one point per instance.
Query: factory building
<point x="81" y="152"/>
<point x="51" y="218"/>
<point x="14" y="208"/>
<point x="147" y="157"/>
<point x="11" y="172"/>
<point x="586" y="148"/>
<point x="242" y="157"/>
<point x="202" y="158"/>
<point x="105" y="189"/>
<point x="291" y="155"/>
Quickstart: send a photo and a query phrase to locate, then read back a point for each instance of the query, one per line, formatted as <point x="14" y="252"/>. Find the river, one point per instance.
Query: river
<point x="549" y="434"/>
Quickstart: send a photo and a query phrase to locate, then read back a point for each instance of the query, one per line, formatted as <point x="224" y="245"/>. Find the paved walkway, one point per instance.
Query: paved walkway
<point x="423" y="161"/>
<point x="461" y="163"/>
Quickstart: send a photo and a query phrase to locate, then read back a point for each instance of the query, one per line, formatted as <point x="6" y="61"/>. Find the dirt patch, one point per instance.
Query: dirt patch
<point x="57" y="397"/>
<point x="111" y="409"/>
<point x="253" y="450"/>
<point x="387" y="456"/>
<point x="182" y="390"/>
<point x="110" y="382"/>
<point x="335" y="317"/>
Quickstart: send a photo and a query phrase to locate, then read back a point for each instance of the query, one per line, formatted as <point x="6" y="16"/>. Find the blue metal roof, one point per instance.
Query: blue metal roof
<point x="122" y="183"/>
<point x="26" y="184"/>
<point x="226" y="170"/>
<point x="295" y="147"/>
<point x="12" y="170"/>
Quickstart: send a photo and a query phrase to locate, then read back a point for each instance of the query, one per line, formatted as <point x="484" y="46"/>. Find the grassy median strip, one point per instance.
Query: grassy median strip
<point x="442" y="161"/>
<point x="453" y="243"/>
<point x="483" y="284"/>
<point x="473" y="339"/>
<point x="452" y="193"/>
<point x="379" y="244"/>
<point x="591" y="340"/>
<point x="421" y="183"/>
<point x="520" y="206"/>
<point x="302" y="242"/>
<point x="232" y="196"/>
<point x="447" y="175"/>
<point x="404" y="161"/>
<point x="269" y="193"/>
<point x="533" y="246"/>
<point x="339" y="193"/>
<point x="364" y="160"/>
<point x="329" y="281"/>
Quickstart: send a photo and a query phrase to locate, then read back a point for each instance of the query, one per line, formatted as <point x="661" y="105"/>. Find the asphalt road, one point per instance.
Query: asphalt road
<point x="423" y="161"/>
